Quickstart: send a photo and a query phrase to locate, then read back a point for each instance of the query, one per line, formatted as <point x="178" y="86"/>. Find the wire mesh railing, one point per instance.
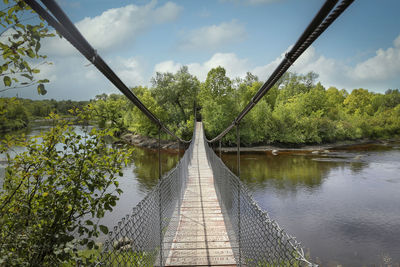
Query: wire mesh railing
<point x="144" y="237"/>
<point x="256" y="239"/>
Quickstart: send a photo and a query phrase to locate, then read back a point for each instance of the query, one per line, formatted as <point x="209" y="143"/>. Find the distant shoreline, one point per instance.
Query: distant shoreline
<point x="152" y="143"/>
<point x="342" y="145"/>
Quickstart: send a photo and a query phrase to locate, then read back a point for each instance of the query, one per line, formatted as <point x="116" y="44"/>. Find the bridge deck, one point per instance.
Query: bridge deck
<point x="201" y="239"/>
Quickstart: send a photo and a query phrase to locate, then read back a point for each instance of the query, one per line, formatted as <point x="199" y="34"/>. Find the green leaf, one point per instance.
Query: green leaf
<point x="41" y="90"/>
<point x="104" y="229"/>
<point x="19" y="25"/>
<point x="27" y="76"/>
<point x="10" y="11"/>
<point x="30" y="53"/>
<point x="4" y="67"/>
<point x="7" y="81"/>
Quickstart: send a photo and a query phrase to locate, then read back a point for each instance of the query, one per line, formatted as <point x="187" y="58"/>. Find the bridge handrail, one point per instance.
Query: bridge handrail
<point x="60" y="21"/>
<point x="322" y="20"/>
<point x="256" y="239"/>
<point x="144" y="237"/>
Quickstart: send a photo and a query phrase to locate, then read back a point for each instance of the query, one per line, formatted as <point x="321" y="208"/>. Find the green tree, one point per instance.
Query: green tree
<point x="334" y="102"/>
<point x="219" y="103"/>
<point x="392" y="98"/>
<point x="359" y="101"/>
<point x="13" y="114"/>
<point x="110" y="112"/>
<point x="53" y="194"/>
<point x="292" y="84"/>
<point x="176" y="93"/>
<point x="137" y="121"/>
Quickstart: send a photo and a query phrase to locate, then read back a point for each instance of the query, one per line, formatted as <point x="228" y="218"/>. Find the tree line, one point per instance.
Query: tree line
<point x="296" y="111"/>
<point x="17" y="113"/>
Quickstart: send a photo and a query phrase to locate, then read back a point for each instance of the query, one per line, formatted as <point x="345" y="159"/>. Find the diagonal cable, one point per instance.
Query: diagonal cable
<point x="67" y="29"/>
<point x="322" y="20"/>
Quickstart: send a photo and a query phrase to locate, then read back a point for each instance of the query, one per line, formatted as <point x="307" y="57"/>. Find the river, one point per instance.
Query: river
<point x="344" y="205"/>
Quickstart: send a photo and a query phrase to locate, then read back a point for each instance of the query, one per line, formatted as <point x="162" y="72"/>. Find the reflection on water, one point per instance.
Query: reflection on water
<point x="283" y="172"/>
<point x="146" y="166"/>
<point x="344" y="206"/>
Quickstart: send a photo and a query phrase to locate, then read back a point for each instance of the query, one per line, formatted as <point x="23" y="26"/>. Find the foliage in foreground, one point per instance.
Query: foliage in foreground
<point x="53" y="194"/>
<point x="20" y="46"/>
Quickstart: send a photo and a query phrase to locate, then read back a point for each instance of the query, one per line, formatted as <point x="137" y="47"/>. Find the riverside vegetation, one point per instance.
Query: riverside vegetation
<point x="295" y="112"/>
<point x="51" y="190"/>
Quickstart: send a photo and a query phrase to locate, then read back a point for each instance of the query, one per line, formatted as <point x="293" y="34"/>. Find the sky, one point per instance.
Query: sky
<point x="138" y="38"/>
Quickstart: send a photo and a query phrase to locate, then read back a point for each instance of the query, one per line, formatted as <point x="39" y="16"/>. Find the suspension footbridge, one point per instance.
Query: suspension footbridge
<point x="199" y="213"/>
<point x="201" y="237"/>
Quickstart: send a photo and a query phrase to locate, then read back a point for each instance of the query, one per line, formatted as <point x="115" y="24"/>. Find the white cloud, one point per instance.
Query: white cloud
<point x="384" y="65"/>
<point x="167" y="66"/>
<point x="235" y="67"/>
<point x="73" y="78"/>
<point x="378" y="73"/>
<point x="264" y="71"/>
<point x="115" y="27"/>
<point x="214" y="36"/>
<point x="131" y="72"/>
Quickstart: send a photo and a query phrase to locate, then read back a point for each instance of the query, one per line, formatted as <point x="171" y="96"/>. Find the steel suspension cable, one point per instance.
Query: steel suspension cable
<point x="324" y="18"/>
<point x="60" y="21"/>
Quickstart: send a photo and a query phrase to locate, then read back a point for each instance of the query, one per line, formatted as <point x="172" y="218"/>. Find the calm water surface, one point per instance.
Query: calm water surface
<point x="344" y="206"/>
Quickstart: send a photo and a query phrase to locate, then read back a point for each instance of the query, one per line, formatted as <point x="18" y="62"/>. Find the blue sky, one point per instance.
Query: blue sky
<point x="138" y="38"/>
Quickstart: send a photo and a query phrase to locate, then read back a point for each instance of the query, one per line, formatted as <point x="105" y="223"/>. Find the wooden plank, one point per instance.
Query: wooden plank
<point x="201" y="261"/>
<point x="201" y="253"/>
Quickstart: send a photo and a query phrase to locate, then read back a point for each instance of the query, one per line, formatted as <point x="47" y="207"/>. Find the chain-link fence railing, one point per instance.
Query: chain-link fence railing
<point x="144" y="237"/>
<point x="256" y="239"/>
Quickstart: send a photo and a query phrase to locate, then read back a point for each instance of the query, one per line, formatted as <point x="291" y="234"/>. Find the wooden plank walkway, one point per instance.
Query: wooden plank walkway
<point x="201" y="239"/>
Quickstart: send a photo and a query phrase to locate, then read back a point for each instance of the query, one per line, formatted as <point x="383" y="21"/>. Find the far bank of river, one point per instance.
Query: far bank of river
<point x="149" y="142"/>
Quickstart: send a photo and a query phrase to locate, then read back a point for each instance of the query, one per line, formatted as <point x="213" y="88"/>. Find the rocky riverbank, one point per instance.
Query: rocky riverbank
<point x="152" y="143"/>
<point x="355" y="144"/>
<point x="148" y="142"/>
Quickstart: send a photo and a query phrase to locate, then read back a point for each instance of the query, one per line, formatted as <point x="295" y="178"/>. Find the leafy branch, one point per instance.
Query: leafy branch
<point x="22" y="45"/>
